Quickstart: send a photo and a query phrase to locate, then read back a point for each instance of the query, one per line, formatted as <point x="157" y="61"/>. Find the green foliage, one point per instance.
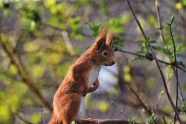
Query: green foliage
<point x="73" y="122"/>
<point x="75" y="26"/>
<point x="94" y="28"/>
<point x="183" y="2"/>
<point x="183" y="107"/>
<point x="144" y="50"/>
<point x="162" y="92"/>
<point x="151" y="119"/>
<point x="104" y="7"/>
<point x="115" y="24"/>
<point x="118" y="23"/>
<point x="117" y="42"/>
<point x="157" y="47"/>
<point x="36" y="45"/>
<point x="131" y="121"/>
<point x="180" y="48"/>
<point x="113" y="102"/>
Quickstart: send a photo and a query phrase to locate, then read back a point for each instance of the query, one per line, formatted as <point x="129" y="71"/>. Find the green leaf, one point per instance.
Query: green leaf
<point x="104" y="8"/>
<point x="73" y="122"/>
<point x="117" y="43"/>
<point x="158" y="48"/>
<point x="169" y="53"/>
<point x="93" y="28"/>
<point x="138" y="58"/>
<point x="149" y="56"/>
<point x="162" y="92"/>
<point x="172" y="19"/>
<point x="151" y="119"/>
<point x="115" y="24"/>
<point x="142" y="40"/>
<point x="152" y="41"/>
<point x="180" y="47"/>
<point x="143" y="49"/>
<point x="131" y="121"/>
<point x="181" y="64"/>
<point x="113" y="102"/>
<point x="183" y="107"/>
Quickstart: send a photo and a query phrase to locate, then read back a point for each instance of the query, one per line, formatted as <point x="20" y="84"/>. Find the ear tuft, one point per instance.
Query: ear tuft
<point x="102" y="32"/>
<point x="101" y="39"/>
<point x="110" y="37"/>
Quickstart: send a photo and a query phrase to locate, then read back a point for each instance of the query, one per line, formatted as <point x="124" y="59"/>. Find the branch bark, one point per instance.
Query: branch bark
<point x="157" y="63"/>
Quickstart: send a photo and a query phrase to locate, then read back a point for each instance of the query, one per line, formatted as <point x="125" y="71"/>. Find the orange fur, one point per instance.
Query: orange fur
<point x="81" y="79"/>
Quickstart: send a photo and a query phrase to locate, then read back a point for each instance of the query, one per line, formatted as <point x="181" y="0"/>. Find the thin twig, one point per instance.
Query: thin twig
<point x="175" y="60"/>
<point x="153" y="54"/>
<point x="41" y="119"/>
<point x="175" y="69"/>
<point x="162" y="35"/>
<point x="113" y="121"/>
<point x="144" y="106"/>
<point x="161" y="61"/>
<point x="21" y="118"/>
<point x="165" y="122"/>
<point x="157" y="104"/>
<point x="160" y="27"/>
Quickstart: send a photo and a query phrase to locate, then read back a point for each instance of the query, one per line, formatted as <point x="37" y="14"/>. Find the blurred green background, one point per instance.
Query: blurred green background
<point x="40" y="39"/>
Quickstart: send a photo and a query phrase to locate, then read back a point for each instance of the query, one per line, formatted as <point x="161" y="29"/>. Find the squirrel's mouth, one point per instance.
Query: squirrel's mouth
<point x="110" y="64"/>
<point x="106" y="65"/>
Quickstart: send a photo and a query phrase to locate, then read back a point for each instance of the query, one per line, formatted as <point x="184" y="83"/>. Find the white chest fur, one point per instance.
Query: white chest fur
<point x="93" y="75"/>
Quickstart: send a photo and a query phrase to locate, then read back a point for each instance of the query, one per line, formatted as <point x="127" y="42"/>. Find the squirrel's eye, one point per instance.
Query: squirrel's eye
<point x="105" y="53"/>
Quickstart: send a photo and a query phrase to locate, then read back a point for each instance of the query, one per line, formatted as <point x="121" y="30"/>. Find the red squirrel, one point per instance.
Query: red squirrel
<point x="82" y="78"/>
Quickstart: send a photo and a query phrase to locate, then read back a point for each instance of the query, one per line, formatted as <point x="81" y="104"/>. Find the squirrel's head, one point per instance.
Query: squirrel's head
<point x="104" y="54"/>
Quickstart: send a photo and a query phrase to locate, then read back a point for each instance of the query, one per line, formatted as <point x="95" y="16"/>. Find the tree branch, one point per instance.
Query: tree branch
<point x="25" y="79"/>
<point x="175" y="69"/>
<point x="157" y="63"/>
<point x="161" y="61"/>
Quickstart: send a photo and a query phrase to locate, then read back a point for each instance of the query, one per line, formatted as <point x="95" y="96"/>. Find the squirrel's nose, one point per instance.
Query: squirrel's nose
<point x="113" y="62"/>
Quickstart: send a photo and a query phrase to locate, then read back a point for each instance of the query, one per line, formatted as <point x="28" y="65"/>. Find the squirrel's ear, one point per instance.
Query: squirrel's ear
<point x="110" y="37"/>
<point x="100" y="44"/>
<point x="101" y="39"/>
